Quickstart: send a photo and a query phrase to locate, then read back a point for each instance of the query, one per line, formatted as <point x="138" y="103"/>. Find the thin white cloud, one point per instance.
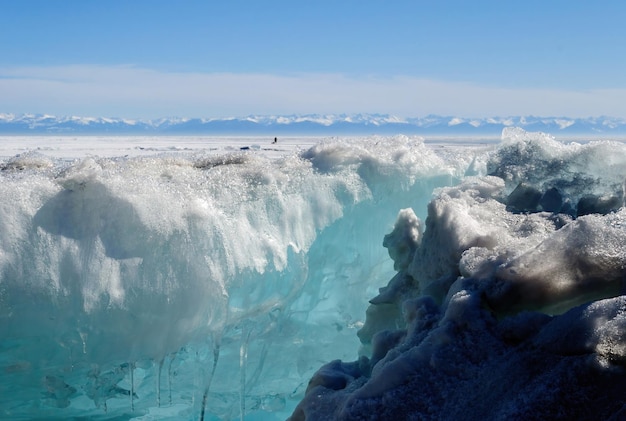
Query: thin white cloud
<point x="127" y="91"/>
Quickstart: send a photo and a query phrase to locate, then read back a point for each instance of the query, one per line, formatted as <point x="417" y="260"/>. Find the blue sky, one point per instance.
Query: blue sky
<point x="154" y="58"/>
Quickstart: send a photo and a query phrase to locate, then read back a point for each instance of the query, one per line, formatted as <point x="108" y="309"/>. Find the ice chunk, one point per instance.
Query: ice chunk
<point x="596" y="328"/>
<point x="114" y="271"/>
<point x="500" y="293"/>
<point x="551" y="200"/>
<point x="585" y="260"/>
<point x="524" y="198"/>
<point x="404" y="239"/>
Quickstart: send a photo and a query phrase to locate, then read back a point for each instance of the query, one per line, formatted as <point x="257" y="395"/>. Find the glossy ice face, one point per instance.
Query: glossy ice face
<point x="117" y="271"/>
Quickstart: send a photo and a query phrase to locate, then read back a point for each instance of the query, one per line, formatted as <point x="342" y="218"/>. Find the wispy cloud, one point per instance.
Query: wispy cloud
<point x="129" y="91"/>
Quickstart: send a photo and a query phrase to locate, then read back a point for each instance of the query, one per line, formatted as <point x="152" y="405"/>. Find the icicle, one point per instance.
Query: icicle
<point x="243" y="360"/>
<point x="169" y="378"/>
<point x="132" y="387"/>
<point x="216" y="355"/>
<point x="158" y="384"/>
<point x="257" y="372"/>
<point x="83" y="338"/>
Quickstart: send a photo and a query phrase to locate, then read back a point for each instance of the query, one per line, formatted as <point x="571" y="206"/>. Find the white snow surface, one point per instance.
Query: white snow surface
<point x="210" y="278"/>
<point x="71" y="147"/>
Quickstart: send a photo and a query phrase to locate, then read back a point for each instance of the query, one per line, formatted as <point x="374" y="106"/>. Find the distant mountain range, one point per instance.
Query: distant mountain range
<point x="311" y="124"/>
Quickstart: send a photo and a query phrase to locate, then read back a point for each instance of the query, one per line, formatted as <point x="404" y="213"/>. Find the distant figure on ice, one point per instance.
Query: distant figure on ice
<point x="275" y="140"/>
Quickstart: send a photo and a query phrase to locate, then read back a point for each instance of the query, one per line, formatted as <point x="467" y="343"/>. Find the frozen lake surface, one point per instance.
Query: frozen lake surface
<point x="116" y="146"/>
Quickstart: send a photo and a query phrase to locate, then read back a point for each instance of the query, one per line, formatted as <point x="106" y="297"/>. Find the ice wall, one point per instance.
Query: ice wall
<point x="507" y="302"/>
<point x="194" y="287"/>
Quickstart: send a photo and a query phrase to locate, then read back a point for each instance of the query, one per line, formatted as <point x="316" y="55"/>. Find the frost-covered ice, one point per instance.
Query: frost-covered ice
<point x="212" y="280"/>
<point x="507" y="302"/>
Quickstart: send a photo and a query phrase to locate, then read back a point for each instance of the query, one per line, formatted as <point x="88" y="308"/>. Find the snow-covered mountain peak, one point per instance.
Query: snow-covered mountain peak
<point x="310" y="124"/>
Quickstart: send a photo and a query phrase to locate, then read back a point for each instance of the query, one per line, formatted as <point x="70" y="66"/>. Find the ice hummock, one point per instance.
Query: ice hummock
<point x="505" y="309"/>
<point x="210" y="285"/>
<point x="193" y="285"/>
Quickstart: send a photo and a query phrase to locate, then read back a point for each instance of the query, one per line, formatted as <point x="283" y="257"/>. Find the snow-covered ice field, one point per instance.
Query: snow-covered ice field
<point x="116" y="146"/>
